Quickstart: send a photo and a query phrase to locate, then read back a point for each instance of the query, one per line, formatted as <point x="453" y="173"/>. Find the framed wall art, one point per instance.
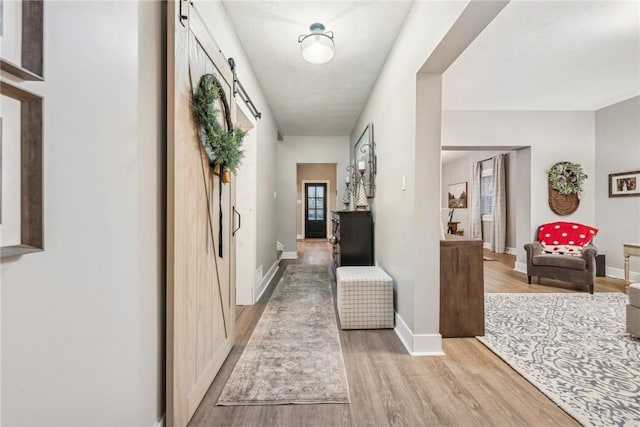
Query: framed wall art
<point x="22" y="32"/>
<point x="624" y="184"/>
<point x="28" y="132"/>
<point x="457" y="195"/>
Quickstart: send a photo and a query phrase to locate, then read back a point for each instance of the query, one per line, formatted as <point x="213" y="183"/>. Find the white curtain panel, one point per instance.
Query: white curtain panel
<point x="475" y="217"/>
<point x="499" y="214"/>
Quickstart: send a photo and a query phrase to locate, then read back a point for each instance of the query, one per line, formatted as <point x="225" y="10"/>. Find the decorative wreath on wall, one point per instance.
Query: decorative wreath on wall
<point x="567" y="178"/>
<point x="223" y="144"/>
<point x="565" y="187"/>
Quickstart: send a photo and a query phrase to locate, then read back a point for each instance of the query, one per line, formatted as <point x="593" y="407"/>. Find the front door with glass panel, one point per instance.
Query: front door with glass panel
<point x="315" y="213"/>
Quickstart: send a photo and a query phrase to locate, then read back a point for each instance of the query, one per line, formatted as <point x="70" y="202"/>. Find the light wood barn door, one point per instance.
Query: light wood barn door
<point x="200" y="283"/>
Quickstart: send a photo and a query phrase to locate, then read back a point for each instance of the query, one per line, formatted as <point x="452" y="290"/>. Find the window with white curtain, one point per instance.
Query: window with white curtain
<point x="486" y="190"/>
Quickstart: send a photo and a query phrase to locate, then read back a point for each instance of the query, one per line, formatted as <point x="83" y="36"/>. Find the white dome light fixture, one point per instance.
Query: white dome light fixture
<point x="317" y="46"/>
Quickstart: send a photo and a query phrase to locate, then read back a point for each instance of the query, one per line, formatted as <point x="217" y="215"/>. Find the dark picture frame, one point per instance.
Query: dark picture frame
<point x="624" y="184"/>
<point x="31" y="172"/>
<point x="32" y="62"/>
<point x="457" y="195"/>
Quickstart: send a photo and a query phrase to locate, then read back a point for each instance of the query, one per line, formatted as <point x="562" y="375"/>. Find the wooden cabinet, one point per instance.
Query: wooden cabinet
<point x="461" y="287"/>
<point x="353" y="243"/>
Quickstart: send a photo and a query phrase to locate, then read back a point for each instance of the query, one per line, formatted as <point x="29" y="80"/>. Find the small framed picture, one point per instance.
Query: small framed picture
<point x="624" y="184"/>
<point x="457" y="195"/>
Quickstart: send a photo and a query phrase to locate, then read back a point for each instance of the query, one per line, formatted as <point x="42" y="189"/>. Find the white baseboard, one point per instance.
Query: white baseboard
<point x="511" y="251"/>
<point x="521" y="267"/>
<point x="290" y="255"/>
<point x="258" y="275"/>
<point x="160" y="422"/>
<point x="418" y="344"/>
<point x="264" y="283"/>
<point x="300" y="237"/>
<point x="618" y="273"/>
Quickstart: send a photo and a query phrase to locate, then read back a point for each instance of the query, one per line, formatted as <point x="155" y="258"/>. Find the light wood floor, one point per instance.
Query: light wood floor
<point x="470" y="386"/>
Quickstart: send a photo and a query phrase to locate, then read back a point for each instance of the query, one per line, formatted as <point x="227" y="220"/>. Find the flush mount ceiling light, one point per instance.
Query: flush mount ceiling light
<point x="317" y="46"/>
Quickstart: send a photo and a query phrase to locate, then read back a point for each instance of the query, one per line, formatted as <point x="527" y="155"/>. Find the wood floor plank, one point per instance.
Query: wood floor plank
<point x="469" y="386"/>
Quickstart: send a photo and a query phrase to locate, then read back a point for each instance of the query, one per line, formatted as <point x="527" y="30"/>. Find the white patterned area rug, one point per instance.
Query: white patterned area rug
<point x="294" y="354"/>
<point x="573" y="347"/>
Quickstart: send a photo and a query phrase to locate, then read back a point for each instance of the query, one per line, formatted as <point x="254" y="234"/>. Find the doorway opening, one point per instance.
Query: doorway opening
<point x="316" y="198"/>
<point x="456" y="168"/>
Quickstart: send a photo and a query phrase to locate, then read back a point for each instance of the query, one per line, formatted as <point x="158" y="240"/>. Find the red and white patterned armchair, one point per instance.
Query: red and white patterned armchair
<point x="563" y="251"/>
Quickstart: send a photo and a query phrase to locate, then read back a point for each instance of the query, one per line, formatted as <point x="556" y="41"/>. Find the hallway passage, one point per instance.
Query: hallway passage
<point x="470" y="386"/>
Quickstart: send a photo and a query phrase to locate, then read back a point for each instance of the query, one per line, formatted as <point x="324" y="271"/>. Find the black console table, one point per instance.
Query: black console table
<point x="353" y="243"/>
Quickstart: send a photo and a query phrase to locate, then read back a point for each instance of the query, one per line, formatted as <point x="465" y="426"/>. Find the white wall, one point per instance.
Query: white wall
<point x="82" y="322"/>
<point x="553" y="137"/>
<point x="617" y="130"/>
<point x="304" y="149"/>
<point x="267" y="209"/>
<point x="219" y="24"/>
<point x="392" y="107"/>
<point x="523" y="206"/>
<point x="426" y="249"/>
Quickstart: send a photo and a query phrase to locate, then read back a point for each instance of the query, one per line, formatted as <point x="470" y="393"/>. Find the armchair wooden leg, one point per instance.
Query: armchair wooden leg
<point x="591" y="288"/>
<point x="529" y="279"/>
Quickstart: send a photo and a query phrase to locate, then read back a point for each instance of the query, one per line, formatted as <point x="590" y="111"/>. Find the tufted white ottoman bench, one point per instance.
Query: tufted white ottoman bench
<point x="365" y="298"/>
<point x="633" y="310"/>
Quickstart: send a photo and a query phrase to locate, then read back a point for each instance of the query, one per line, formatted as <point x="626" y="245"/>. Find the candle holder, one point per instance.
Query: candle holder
<point x="349" y="198"/>
<point x="362" y="202"/>
<point x="346" y="199"/>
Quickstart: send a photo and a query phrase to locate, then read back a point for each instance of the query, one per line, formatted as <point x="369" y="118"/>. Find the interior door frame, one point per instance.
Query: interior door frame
<point x="246" y="206"/>
<point x="304" y="203"/>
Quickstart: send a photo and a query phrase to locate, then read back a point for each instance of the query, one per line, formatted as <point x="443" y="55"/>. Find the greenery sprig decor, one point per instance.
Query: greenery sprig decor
<point x="229" y="152"/>
<point x="222" y="144"/>
<point x="567" y="178"/>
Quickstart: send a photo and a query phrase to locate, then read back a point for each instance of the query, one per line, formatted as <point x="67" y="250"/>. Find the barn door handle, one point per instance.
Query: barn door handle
<point x="239" y="221"/>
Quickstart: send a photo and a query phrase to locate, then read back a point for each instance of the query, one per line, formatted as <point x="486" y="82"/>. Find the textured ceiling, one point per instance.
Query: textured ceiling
<point x="535" y="55"/>
<point x="317" y="99"/>
<point x="550" y="55"/>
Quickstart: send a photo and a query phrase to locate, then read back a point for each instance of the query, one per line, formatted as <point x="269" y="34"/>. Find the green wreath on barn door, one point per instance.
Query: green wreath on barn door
<point x="221" y="140"/>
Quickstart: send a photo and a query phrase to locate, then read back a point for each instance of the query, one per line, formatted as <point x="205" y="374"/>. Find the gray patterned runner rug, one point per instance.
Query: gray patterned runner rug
<point x="573" y="347"/>
<point x="294" y="354"/>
